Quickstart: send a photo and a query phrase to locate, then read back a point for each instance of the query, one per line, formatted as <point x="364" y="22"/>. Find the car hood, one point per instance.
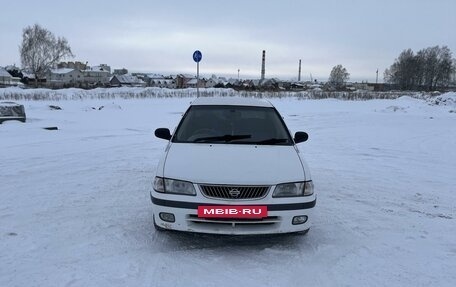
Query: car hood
<point x="233" y="164"/>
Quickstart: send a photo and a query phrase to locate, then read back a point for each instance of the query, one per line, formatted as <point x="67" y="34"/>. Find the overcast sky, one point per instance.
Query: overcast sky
<point x="160" y="36"/>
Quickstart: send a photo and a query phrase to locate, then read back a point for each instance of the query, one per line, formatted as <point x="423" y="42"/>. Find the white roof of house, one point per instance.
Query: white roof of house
<point x="230" y="101"/>
<point x="4" y="73"/>
<point x="128" y="79"/>
<point x="11" y="67"/>
<point x="28" y="75"/>
<point x="187" y="76"/>
<point x="192" y="82"/>
<point x="155" y="76"/>
<point x="101" y="67"/>
<point x="97" y="69"/>
<point x="62" y="71"/>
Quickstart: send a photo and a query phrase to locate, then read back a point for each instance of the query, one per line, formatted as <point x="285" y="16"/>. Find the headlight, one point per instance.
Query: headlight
<point x="167" y="185"/>
<point x="303" y="188"/>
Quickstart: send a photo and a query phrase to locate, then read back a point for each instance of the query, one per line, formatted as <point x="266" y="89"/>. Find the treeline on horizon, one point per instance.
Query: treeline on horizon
<point x="428" y="69"/>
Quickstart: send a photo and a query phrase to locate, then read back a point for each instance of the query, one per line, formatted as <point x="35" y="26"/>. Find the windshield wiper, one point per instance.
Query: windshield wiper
<point x="272" y="141"/>
<point x="224" y="138"/>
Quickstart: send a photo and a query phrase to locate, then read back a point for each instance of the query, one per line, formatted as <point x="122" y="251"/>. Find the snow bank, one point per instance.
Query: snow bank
<point x="447" y="99"/>
<point x="15" y="93"/>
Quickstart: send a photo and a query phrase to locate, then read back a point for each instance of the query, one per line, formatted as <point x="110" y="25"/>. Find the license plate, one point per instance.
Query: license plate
<point x="238" y="211"/>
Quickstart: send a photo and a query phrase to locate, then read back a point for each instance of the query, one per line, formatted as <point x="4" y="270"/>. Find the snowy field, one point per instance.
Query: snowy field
<point x="75" y="207"/>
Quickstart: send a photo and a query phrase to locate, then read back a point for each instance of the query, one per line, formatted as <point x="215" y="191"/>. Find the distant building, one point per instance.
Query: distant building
<point x="102" y="67"/>
<point x="122" y="71"/>
<point x="97" y="76"/>
<point x="193" y="83"/>
<point x="6" y="79"/>
<point x="248" y="84"/>
<point x="188" y="81"/>
<point x="126" y="80"/>
<point x="362" y="86"/>
<point x="14" y="71"/>
<point x="28" y="78"/>
<point x="159" y="81"/>
<point x="182" y="81"/>
<point x="211" y="82"/>
<point x="299" y="86"/>
<point x="64" y="77"/>
<point x="72" y="65"/>
<point x="269" y="84"/>
<point x="82" y="75"/>
<point x="163" y="83"/>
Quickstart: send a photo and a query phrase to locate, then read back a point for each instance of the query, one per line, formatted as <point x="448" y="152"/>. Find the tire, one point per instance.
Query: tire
<point x="302" y="233"/>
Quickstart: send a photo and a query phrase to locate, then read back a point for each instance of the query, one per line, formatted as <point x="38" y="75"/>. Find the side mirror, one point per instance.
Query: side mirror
<point x="300" y="137"/>
<point x="163" y="133"/>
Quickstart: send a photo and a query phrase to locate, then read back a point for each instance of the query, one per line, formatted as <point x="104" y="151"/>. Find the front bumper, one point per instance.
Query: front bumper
<point x="279" y="218"/>
<point x="12" y="118"/>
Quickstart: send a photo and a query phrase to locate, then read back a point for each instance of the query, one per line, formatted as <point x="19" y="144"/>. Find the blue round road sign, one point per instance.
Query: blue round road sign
<point x="197" y="56"/>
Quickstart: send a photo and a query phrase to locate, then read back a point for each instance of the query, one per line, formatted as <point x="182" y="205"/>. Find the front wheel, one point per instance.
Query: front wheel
<point x="302" y="233"/>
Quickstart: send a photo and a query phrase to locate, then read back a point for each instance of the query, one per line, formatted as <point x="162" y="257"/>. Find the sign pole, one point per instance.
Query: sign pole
<point x="197" y="56"/>
<point x="197" y="79"/>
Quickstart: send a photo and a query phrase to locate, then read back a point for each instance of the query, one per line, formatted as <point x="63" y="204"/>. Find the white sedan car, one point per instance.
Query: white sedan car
<point x="11" y="111"/>
<point x="232" y="167"/>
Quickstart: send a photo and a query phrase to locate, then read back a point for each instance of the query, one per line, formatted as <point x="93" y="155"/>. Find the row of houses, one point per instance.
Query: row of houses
<point x="178" y="81"/>
<point x="82" y="76"/>
<point x="6" y="79"/>
<point x="78" y="74"/>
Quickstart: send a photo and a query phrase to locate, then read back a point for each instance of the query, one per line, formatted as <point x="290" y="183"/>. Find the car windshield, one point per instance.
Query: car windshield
<point x="232" y="125"/>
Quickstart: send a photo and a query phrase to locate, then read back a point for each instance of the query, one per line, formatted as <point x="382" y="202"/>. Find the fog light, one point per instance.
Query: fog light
<point x="299" y="219"/>
<point x="168" y="217"/>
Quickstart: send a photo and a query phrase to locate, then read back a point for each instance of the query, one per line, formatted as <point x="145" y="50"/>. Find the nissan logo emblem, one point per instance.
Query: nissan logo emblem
<point x="234" y="192"/>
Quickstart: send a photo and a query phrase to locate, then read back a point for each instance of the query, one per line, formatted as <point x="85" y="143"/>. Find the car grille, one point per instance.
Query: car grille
<point x="234" y="192"/>
<point x="270" y="220"/>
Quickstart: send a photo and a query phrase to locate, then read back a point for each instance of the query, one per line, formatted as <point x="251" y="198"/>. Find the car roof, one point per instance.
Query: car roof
<point x="9" y="104"/>
<point x="231" y="101"/>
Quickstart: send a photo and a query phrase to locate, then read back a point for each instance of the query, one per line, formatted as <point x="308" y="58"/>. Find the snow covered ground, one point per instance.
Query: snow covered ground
<point x="75" y="207"/>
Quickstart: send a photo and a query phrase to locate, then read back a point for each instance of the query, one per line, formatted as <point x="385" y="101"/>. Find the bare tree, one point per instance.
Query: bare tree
<point x="338" y="77"/>
<point x="429" y="69"/>
<point x="453" y="74"/>
<point x="402" y="71"/>
<point x="445" y="68"/>
<point x="41" y="50"/>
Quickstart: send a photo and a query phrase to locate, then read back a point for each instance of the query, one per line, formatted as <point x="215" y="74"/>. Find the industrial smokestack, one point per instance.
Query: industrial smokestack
<point x="263" y="65"/>
<point x="299" y="73"/>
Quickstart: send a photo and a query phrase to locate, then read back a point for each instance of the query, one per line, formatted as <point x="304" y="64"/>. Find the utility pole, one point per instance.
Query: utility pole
<point x="263" y="65"/>
<point x="299" y="73"/>
<point x="238" y="73"/>
<point x="376" y="79"/>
